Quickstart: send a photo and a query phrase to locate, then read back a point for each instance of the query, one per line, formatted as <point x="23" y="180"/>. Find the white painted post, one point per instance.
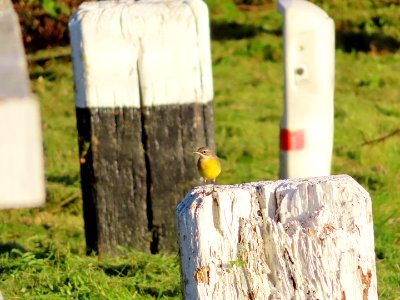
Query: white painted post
<point x="143" y="95"/>
<point x="21" y="149"/>
<point x="288" y="239"/>
<point x="306" y="136"/>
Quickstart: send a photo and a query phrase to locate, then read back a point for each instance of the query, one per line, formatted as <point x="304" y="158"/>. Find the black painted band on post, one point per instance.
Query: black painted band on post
<point x="134" y="171"/>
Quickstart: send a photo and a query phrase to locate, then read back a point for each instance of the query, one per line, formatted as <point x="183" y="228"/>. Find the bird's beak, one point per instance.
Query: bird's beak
<point x="195" y="152"/>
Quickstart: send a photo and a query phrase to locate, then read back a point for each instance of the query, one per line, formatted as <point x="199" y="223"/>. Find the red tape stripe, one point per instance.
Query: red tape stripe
<point x="291" y="140"/>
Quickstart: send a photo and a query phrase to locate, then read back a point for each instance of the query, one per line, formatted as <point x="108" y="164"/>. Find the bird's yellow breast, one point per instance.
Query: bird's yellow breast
<point x="209" y="168"/>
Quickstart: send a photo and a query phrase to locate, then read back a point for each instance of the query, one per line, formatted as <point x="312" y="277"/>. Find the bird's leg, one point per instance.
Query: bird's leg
<point x="203" y="192"/>
<point x="207" y="181"/>
<point x="214" y="193"/>
<point x="213" y="183"/>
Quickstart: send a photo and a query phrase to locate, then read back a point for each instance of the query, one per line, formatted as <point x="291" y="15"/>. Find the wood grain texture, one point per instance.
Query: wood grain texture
<point x="113" y="179"/>
<point x="289" y="239"/>
<point x="172" y="133"/>
<point x="135" y="167"/>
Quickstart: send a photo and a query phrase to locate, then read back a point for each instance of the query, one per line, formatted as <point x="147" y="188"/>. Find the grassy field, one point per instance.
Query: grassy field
<point x="42" y="251"/>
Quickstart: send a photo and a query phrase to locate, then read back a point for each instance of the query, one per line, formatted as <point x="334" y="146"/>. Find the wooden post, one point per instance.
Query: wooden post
<point x="289" y="239"/>
<point x="21" y="149"/>
<point x="143" y="90"/>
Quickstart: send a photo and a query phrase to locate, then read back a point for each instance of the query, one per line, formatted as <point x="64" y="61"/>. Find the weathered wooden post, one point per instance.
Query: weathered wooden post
<point x="289" y="239"/>
<point x="143" y="90"/>
<point x="21" y="149"/>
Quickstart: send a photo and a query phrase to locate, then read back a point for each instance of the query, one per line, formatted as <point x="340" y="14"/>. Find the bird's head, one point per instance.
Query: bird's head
<point x="204" y="152"/>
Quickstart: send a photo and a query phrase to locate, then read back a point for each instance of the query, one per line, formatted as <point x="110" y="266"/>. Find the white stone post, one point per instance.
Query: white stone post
<point x="289" y="239"/>
<point x="306" y="135"/>
<point x="21" y="149"/>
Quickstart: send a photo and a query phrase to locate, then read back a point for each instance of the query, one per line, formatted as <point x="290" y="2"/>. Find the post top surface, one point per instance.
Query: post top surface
<point x="278" y="185"/>
<point x="141" y="53"/>
<point x="301" y="6"/>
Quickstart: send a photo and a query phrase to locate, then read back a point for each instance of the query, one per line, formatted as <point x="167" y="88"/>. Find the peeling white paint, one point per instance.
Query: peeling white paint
<point x="289" y="239"/>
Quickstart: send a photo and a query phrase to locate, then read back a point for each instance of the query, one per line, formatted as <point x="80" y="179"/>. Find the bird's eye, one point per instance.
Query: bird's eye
<point x="204" y="151"/>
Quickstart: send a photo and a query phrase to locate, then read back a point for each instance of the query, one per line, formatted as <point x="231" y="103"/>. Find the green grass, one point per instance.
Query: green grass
<point x="42" y="251"/>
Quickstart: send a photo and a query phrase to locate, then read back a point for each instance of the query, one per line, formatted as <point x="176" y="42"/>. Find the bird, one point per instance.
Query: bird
<point x="208" y="165"/>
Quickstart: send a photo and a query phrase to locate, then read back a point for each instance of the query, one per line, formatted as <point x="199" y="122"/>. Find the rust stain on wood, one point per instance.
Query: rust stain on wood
<point x="366" y="281"/>
<point x="328" y="228"/>
<point x="310" y="231"/>
<point x="251" y="295"/>
<point x="202" y="275"/>
<point x="193" y="206"/>
<point x="246" y="256"/>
